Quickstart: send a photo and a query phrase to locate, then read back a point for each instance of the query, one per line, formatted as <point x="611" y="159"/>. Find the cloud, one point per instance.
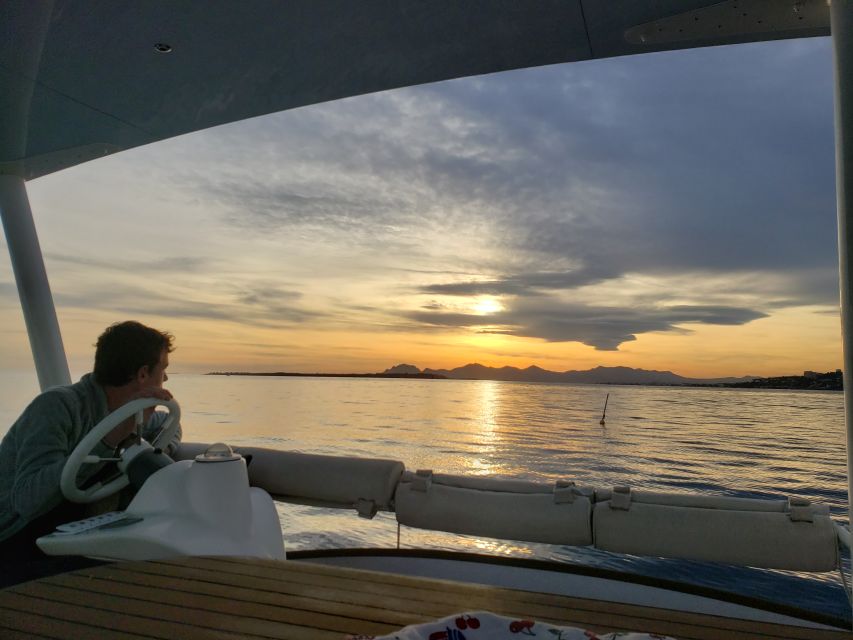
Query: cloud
<point x="538" y="304"/>
<point x="522" y="284"/>
<point x="604" y="328"/>
<point x="169" y="264"/>
<point x="8" y="290"/>
<point x="272" y="304"/>
<point x="264" y="207"/>
<point x="261" y="305"/>
<point x="645" y="164"/>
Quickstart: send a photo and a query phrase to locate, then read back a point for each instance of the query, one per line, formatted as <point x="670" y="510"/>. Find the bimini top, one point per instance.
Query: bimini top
<point x="80" y="79"/>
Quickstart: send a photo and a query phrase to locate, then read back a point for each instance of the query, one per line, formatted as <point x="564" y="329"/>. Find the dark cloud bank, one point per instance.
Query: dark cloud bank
<point x="601" y="327"/>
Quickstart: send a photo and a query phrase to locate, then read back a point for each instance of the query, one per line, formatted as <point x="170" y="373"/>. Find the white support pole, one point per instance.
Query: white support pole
<point x="841" y="16"/>
<point x="33" y="287"/>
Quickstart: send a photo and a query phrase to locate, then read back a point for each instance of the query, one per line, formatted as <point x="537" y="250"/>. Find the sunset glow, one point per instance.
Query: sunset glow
<point x="645" y="212"/>
<point x="486" y="305"/>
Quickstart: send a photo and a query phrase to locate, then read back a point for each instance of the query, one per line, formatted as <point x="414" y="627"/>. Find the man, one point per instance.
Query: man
<point x="130" y="363"/>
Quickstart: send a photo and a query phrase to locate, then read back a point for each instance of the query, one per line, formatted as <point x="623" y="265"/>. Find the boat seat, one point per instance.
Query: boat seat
<point x="365" y="484"/>
<point x="774" y="534"/>
<point x="494" y="507"/>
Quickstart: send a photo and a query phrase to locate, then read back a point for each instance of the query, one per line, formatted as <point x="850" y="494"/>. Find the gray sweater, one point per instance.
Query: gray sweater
<point x="34" y="451"/>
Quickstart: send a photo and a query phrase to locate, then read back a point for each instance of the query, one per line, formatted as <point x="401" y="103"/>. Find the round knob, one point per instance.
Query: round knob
<point x="219" y="452"/>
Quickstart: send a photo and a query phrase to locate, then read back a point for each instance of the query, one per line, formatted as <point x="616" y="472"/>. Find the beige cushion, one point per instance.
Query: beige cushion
<point x="491" y="507"/>
<point x="697" y="500"/>
<point x="754" y="538"/>
<point x="304" y="478"/>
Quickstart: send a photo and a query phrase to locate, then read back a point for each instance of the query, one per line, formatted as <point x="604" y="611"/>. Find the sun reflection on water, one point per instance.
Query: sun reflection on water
<point x="483" y="460"/>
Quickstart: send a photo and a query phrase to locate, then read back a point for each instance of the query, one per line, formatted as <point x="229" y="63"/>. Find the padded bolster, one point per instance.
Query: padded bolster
<point x="753" y="538"/>
<point x="700" y="501"/>
<point x="485" y="483"/>
<point x="527" y="516"/>
<point x="315" y="479"/>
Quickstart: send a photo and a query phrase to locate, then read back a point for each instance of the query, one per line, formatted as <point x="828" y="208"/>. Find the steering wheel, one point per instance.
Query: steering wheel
<point x="82" y="452"/>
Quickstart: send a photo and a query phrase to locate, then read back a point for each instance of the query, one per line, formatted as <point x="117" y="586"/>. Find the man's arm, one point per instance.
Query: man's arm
<point x="152" y="429"/>
<point x="42" y="434"/>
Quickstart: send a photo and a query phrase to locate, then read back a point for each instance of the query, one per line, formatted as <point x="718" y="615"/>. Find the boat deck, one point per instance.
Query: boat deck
<point x="249" y="598"/>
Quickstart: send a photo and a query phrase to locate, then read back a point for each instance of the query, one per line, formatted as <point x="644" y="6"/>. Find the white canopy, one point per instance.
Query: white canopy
<point x="83" y="78"/>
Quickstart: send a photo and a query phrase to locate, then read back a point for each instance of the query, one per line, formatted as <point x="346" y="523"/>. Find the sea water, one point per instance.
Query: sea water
<point x="730" y="442"/>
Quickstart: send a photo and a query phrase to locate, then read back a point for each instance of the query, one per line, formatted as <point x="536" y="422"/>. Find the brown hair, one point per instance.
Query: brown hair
<point x="125" y="347"/>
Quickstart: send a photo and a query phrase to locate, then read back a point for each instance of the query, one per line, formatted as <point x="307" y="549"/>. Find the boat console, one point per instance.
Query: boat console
<point x="202" y="506"/>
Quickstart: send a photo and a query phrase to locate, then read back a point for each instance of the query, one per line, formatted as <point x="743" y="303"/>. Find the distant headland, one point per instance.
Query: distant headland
<point x="810" y="380"/>
<point x="429" y="376"/>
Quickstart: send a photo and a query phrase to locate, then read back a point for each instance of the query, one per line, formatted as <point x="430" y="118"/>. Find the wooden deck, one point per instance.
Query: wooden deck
<point x="247" y="599"/>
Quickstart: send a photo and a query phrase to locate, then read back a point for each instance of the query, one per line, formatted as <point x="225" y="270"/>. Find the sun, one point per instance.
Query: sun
<point x="485" y="305"/>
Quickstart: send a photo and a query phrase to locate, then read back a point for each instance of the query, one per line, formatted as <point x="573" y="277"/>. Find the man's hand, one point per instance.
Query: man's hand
<point x="151" y="392"/>
<point x="117" y="435"/>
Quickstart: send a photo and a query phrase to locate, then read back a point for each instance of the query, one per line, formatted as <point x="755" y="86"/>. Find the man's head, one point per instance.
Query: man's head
<point x="129" y="352"/>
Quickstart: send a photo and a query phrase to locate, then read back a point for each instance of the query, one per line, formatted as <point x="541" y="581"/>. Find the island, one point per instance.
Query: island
<point x="810" y="380"/>
<point x="428" y="376"/>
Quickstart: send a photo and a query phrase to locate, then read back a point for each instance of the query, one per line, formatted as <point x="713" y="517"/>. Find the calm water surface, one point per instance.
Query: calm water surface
<point x="745" y="443"/>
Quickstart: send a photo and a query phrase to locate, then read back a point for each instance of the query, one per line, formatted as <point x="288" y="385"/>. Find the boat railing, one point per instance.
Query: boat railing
<point x="791" y="534"/>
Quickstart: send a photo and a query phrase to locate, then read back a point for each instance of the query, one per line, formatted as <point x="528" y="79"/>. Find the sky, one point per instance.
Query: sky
<point x="672" y="211"/>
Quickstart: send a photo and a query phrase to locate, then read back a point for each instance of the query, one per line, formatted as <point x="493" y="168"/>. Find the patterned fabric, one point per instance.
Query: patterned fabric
<point x="480" y="625"/>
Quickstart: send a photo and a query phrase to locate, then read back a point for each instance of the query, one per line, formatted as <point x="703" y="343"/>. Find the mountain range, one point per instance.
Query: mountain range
<point x="598" y="375"/>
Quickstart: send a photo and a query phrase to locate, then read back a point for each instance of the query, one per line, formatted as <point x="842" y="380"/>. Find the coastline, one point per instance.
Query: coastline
<point x="427" y="376"/>
<point x="831" y="381"/>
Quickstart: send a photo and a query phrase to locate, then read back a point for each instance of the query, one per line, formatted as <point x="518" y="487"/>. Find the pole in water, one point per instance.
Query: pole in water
<point x="601" y="422"/>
